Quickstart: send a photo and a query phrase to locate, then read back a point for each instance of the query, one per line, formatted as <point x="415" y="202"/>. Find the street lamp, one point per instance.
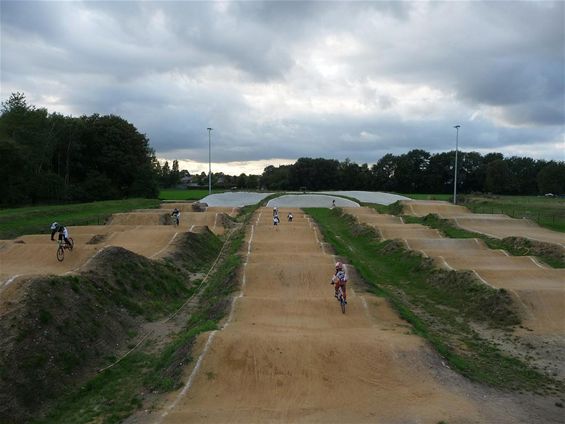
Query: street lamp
<point x="209" y="161"/>
<point x="456" y="150"/>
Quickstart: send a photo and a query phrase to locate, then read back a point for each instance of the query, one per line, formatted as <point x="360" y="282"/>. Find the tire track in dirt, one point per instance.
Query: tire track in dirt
<point x="538" y="289"/>
<point x="287" y="354"/>
<point x="140" y="232"/>
<point x="492" y="225"/>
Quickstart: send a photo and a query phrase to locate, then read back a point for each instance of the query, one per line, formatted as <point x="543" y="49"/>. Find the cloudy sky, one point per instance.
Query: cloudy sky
<point x="282" y="80"/>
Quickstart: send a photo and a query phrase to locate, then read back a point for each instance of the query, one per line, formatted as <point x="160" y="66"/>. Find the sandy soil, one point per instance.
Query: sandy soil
<point x="494" y="225"/>
<point x="187" y="207"/>
<point x="539" y="291"/>
<point x="142" y="232"/>
<point x="287" y="354"/>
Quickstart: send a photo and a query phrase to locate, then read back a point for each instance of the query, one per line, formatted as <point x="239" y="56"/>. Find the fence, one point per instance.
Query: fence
<point x="550" y="219"/>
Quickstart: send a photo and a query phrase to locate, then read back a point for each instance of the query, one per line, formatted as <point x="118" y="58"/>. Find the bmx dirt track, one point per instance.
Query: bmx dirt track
<point x="539" y="290"/>
<point x="493" y="225"/>
<point x="287" y="354"/>
<point x="142" y="232"/>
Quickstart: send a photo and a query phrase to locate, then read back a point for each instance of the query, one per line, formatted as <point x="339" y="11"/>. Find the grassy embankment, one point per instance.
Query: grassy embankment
<point x="516" y="246"/>
<point x="185" y="194"/>
<point x="114" y="394"/>
<point x="442" y="306"/>
<point x="420" y="196"/>
<point x="547" y="212"/>
<point x="67" y="327"/>
<point x="37" y="219"/>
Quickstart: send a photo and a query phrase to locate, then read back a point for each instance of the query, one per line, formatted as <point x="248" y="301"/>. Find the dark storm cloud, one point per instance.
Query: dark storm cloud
<point x="291" y="79"/>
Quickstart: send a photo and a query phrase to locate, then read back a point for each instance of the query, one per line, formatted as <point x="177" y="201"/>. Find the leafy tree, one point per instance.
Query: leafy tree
<point x="440" y="173"/>
<point x="52" y="157"/>
<point x="411" y="170"/>
<point x="551" y="178"/>
<point x="499" y="179"/>
<point x="384" y="173"/>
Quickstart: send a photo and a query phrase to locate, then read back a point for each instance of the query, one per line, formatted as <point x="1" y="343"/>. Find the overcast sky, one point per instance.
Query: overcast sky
<point x="282" y="80"/>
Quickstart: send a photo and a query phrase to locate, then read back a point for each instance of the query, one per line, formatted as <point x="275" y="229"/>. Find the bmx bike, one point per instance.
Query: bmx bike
<point x="341" y="299"/>
<point x="64" y="246"/>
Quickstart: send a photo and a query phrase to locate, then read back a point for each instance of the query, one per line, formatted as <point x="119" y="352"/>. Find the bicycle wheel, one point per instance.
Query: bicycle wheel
<point x="60" y="254"/>
<point x="341" y="300"/>
<point x="71" y="244"/>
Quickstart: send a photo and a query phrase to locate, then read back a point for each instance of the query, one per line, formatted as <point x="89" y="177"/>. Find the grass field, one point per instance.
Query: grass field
<point x="547" y="212"/>
<point x="417" y="196"/>
<point x="37" y="219"/>
<point x="183" y="194"/>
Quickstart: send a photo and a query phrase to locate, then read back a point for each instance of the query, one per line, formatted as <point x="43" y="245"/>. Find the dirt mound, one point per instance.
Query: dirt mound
<point x="503" y="226"/>
<point x="97" y="239"/>
<point x="199" y="207"/>
<point x="287" y="348"/>
<point x="140" y="218"/>
<point x="426" y="207"/>
<point x="58" y="330"/>
<point x="537" y="290"/>
<point x="536" y="248"/>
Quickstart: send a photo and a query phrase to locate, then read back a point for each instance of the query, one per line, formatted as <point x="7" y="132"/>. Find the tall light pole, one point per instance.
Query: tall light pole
<point x="209" y="160"/>
<point x="456" y="150"/>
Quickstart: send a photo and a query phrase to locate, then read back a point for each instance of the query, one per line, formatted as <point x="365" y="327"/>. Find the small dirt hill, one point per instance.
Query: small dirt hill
<point x="63" y="328"/>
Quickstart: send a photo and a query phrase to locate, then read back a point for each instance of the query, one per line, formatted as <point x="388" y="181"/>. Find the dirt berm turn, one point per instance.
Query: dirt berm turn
<point x="56" y="331"/>
<point x="287" y="354"/>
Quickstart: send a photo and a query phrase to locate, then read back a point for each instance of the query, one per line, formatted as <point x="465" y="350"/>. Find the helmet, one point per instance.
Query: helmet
<point x="338" y="265"/>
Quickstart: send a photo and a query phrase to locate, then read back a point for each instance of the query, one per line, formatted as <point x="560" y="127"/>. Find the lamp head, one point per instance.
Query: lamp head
<point x="457" y="126"/>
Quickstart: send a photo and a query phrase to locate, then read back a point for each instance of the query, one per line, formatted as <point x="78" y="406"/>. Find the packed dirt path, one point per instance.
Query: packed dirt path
<point x="287" y="354"/>
<point x="493" y="225"/>
<point x="539" y="290"/>
<point x="149" y="233"/>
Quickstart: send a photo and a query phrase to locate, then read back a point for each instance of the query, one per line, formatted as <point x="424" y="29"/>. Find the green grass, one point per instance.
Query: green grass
<point x="450" y="230"/>
<point x="37" y="219"/>
<point x="440" y="305"/>
<point x="116" y="393"/>
<point x="185" y="194"/>
<point x="547" y="212"/>
<point x="419" y="196"/>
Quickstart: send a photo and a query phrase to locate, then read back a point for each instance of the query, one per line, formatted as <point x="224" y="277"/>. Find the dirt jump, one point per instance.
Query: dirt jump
<point x="539" y="291"/>
<point x="287" y="354"/>
<point x="493" y="225"/>
<point x="149" y="233"/>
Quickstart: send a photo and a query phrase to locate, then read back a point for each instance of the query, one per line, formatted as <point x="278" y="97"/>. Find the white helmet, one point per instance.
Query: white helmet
<point x="338" y="265"/>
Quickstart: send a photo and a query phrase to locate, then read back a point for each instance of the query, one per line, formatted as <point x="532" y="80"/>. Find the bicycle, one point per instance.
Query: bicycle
<point x="341" y="299"/>
<point x="62" y="246"/>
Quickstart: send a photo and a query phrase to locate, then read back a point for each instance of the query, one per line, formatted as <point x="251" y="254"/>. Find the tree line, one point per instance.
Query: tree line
<point x="53" y="158"/>
<point x="419" y="171"/>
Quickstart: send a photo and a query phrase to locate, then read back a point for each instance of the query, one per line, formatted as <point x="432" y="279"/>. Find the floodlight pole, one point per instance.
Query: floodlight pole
<point x="456" y="150"/>
<point x="209" y="161"/>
